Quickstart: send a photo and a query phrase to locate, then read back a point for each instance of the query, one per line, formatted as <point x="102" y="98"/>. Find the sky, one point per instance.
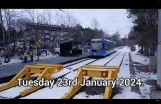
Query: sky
<point x="110" y="20"/>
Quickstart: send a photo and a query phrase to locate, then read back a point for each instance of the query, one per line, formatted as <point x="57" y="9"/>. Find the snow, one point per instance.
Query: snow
<point x="12" y="92"/>
<point x="35" y="75"/>
<point x="16" y="60"/>
<point x="83" y="95"/>
<point x="117" y="60"/>
<point x="43" y="56"/>
<point x="124" y="69"/>
<point x="57" y="49"/>
<point x="140" y="59"/>
<point x="136" y="57"/>
<point x="2" y="84"/>
<point x="97" y="78"/>
<point x="71" y="68"/>
<point x="57" y="92"/>
<point x="137" y="49"/>
<point x="47" y="93"/>
<point x="127" y="94"/>
<point x="61" y="73"/>
<point x="145" y="90"/>
<point x="72" y="75"/>
<point x="104" y="60"/>
<point x="125" y="73"/>
<point x="54" y="93"/>
<point x="74" y="62"/>
<point x="145" y="75"/>
<point x="13" y="60"/>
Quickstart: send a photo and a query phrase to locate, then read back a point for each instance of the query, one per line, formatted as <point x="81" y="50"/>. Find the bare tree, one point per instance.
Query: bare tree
<point x="10" y="15"/>
<point x="69" y="20"/>
<point x="41" y="19"/>
<point x="31" y="13"/>
<point x="49" y="22"/>
<point x="49" y="16"/>
<point x="2" y="28"/>
<point x="95" y="23"/>
<point x="95" y="26"/>
<point x="33" y="16"/>
<point x="59" y="17"/>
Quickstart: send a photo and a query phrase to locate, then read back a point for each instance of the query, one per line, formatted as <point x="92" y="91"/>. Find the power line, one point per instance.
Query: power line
<point x="85" y="15"/>
<point x="113" y="20"/>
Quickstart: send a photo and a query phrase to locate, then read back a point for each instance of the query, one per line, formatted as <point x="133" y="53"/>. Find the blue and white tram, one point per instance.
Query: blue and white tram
<point x="102" y="47"/>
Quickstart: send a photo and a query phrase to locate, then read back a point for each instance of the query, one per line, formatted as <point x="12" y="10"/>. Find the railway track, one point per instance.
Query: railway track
<point x="96" y="90"/>
<point x="71" y="67"/>
<point x="61" y="89"/>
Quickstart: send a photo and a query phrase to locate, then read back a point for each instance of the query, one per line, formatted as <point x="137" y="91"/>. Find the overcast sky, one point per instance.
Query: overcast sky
<point x="110" y="20"/>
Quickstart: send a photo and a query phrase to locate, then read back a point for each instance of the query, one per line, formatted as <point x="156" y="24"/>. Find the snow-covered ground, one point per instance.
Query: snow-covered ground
<point x="83" y="95"/>
<point x="123" y="93"/>
<point x="12" y="92"/>
<point x="15" y="60"/>
<point x="104" y="60"/>
<point x="75" y="62"/>
<point x="127" y="94"/>
<point x="136" y="57"/>
<point x="71" y="68"/>
<point x="44" y="56"/>
<point x="148" y="78"/>
<point x="58" y="92"/>
<point x="115" y="62"/>
<point x="15" y="91"/>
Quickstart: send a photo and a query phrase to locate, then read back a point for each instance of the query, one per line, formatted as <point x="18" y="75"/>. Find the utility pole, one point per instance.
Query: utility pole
<point x="159" y="50"/>
<point x="156" y="92"/>
<point x="1" y="22"/>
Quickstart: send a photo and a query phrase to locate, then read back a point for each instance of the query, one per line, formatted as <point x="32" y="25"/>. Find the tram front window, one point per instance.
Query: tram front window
<point x="96" y="46"/>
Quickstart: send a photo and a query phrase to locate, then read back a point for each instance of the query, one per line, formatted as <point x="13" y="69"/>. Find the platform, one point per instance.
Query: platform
<point x="10" y="70"/>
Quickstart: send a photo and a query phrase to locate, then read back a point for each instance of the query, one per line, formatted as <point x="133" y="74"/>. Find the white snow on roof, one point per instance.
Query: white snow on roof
<point x="96" y="39"/>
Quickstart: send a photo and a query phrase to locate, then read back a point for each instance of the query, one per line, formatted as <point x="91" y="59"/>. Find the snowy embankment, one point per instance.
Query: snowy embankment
<point x="148" y="78"/>
<point x="136" y="57"/>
